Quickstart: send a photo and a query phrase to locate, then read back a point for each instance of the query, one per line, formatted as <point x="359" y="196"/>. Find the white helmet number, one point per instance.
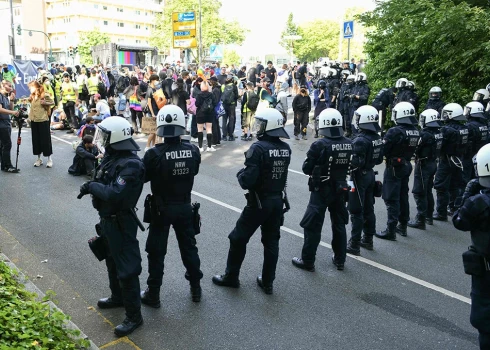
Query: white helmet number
<point x="162" y="118"/>
<point x="126" y="131"/>
<point x="334" y="122"/>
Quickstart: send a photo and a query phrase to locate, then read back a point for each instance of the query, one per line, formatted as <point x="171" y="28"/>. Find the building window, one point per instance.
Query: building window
<point x="120" y="40"/>
<point x="104" y="7"/>
<point x="17" y="12"/>
<point x="66" y="3"/>
<point x="67" y="20"/>
<point x="96" y="6"/>
<point x="138" y="41"/>
<point x="146" y="28"/>
<point x="96" y="21"/>
<point x="146" y="13"/>
<point x="137" y="26"/>
<point x="146" y="42"/>
<point x="119" y="9"/>
<point x="138" y="12"/>
<point x="120" y="24"/>
<point x="106" y="23"/>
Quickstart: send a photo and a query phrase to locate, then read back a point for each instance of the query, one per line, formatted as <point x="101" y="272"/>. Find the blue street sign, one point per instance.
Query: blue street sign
<point x="186" y="17"/>
<point x="348" y="30"/>
<point x="216" y="51"/>
<point x="184" y="33"/>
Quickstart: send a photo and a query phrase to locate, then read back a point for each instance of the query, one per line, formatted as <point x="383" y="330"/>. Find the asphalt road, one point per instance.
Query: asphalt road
<point x="408" y="294"/>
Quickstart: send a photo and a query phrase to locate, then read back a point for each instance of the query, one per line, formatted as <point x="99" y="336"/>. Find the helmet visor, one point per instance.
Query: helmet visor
<point x="101" y="138"/>
<point x="478" y="97"/>
<point x="259" y="126"/>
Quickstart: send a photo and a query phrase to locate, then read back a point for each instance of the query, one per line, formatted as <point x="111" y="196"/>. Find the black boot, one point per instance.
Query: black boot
<point x="418" y="222"/>
<point x="226" y="281"/>
<point x="298" y="262"/>
<point x="151" y="297"/>
<point x="429" y="220"/>
<point x="439" y="217"/>
<point x="388" y="234"/>
<point x="338" y="265"/>
<point x="129" y="324"/>
<point x="367" y="242"/>
<point x="196" y="292"/>
<point x="266" y="287"/>
<point x="353" y="248"/>
<point x="401" y="229"/>
<point x="110" y="303"/>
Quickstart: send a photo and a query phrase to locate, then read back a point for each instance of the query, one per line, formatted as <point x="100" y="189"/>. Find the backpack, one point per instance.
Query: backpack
<point x="207" y="106"/>
<point x="122" y="84"/>
<point x="228" y="95"/>
<point x="252" y="100"/>
<point x="101" y="89"/>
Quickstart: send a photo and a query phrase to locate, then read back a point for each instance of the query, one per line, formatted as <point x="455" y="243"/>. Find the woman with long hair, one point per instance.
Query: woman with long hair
<point x="133" y="95"/>
<point x="205" y="104"/>
<point x="40" y="128"/>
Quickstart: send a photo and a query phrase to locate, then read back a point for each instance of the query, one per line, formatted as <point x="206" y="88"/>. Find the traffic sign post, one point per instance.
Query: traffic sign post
<point x="184" y="30"/>
<point x="216" y="52"/>
<point x="348" y="33"/>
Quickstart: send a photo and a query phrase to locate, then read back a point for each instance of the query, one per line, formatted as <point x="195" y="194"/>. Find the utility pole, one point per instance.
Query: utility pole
<point x="12" y="25"/>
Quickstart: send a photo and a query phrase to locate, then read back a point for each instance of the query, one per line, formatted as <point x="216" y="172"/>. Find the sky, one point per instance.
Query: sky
<point x="267" y="19"/>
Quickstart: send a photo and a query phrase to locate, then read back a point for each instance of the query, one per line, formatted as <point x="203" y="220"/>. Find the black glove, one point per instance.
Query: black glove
<point x="84" y="189"/>
<point x="472" y="188"/>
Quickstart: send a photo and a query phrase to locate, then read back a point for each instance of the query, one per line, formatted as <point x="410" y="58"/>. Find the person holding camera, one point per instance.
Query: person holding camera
<point x="40" y="128"/>
<point x="301" y="110"/>
<point x="171" y="167"/>
<point x="474" y="216"/>
<point x="7" y="97"/>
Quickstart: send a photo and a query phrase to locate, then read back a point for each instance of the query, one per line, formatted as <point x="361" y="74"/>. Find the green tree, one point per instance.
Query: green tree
<point x="231" y="57"/>
<point x="87" y="41"/>
<point x="431" y="43"/>
<point x="291" y="29"/>
<point x="215" y="30"/>
<point x="319" y="38"/>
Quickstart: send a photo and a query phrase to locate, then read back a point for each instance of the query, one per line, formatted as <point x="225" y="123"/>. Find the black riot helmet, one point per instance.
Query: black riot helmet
<point x="322" y="84"/>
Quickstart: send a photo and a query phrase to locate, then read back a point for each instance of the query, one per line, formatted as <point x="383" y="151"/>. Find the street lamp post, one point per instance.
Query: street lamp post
<point x="50" y="58"/>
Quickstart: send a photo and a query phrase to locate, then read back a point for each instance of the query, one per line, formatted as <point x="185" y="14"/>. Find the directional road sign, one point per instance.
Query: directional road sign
<point x="216" y="51"/>
<point x="184" y="30"/>
<point x="348" y="30"/>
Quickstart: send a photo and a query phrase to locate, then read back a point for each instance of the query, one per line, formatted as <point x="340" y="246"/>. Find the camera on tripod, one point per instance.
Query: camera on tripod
<point x="20" y="119"/>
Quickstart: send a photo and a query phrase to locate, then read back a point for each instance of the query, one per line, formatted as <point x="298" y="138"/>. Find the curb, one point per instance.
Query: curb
<point x="31" y="287"/>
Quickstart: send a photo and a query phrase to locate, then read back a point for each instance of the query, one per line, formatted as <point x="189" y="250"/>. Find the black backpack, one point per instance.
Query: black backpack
<point x="101" y="89"/>
<point x="228" y="96"/>
<point x="207" y="106"/>
<point x="252" y="100"/>
<point x="122" y="84"/>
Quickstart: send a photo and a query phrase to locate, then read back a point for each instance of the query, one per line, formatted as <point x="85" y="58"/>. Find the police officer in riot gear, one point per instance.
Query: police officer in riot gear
<point x="399" y="146"/>
<point x="474" y="216"/>
<point x="435" y="101"/>
<point x="367" y="151"/>
<point x="412" y="96"/>
<point x="382" y="101"/>
<point x="482" y="96"/>
<point x="170" y="168"/>
<point x="345" y="99"/>
<point x="426" y="154"/>
<point x="478" y="128"/>
<point x="333" y="85"/>
<point x="327" y="163"/>
<point x="401" y="86"/>
<point x="115" y="191"/>
<point x="265" y="177"/>
<point x="359" y="97"/>
<point x="449" y="181"/>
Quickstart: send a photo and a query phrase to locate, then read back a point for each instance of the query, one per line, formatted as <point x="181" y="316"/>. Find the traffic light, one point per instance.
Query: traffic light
<point x="19" y="29"/>
<point x="70" y="51"/>
<point x="75" y="50"/>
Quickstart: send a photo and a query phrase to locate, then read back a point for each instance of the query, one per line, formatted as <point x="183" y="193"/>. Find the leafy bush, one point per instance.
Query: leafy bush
<point x="26" y="323"/>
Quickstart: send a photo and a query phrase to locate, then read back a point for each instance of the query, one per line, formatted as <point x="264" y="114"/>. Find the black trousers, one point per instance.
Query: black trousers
<point x="69" y="109"/>
<point x="216" y="131"/>
<point x="269" y="219"/>
<point x="363" y="217"/>
<point x="313" y="219"/>
<point x="480" y="308"/>
<point x="449" y="184"/>
<point x="229" y="120"/>
<point x="41" y="138"/>
<point x="468" y="169"/>
<point x="395" y="193"/>
<point x="423" y="183"/>
<point x="301" y="119"/>
<point x="124" y="262"/>
<point x="5" y="147"/>
<point x="179" y="216"/>
<point x="134" y="115"/>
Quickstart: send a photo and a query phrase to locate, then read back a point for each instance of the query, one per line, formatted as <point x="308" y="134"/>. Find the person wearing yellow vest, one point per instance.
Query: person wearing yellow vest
<point x="69" y="92"/>
<point x="82" y="83"/>
<point x="48" y="90"/>
<point x="92" y="84"/>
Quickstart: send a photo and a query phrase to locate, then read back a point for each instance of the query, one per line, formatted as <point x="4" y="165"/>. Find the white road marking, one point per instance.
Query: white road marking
<point x="326" y="245"/>
<point x="297" y="172"/>
<point x="358" y="258"/>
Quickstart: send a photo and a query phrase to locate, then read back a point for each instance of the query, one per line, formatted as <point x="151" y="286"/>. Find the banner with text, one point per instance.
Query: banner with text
<point x="26" y="71"/>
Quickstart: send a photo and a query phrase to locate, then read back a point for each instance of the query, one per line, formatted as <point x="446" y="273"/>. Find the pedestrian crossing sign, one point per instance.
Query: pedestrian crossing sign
<point x="348" y="30"/>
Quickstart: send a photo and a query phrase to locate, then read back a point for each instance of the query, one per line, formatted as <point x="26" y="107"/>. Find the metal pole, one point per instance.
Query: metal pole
<point x="200" y="34"/>
<point x="12" y="25"/>
<point x="348" y="49"/>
